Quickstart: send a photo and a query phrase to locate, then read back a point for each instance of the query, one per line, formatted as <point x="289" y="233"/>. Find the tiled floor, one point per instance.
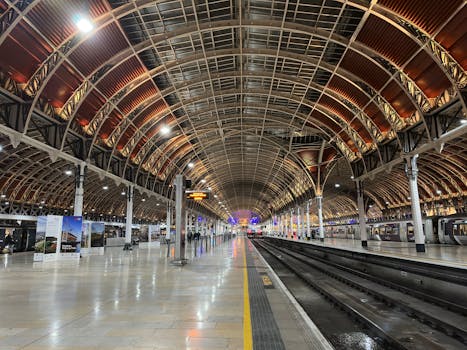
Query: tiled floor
<point x="124" y="300"/>
<point x="443" y="254"/>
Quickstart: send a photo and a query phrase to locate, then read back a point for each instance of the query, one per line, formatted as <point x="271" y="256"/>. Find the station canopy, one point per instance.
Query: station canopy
<point x="267" y="103"/>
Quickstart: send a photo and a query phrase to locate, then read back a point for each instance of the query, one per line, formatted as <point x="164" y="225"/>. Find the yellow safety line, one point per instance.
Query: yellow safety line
<point x="247" y="335"/>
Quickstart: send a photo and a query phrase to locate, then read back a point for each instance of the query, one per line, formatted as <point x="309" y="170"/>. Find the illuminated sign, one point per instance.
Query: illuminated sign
<point x="197" y="195"/>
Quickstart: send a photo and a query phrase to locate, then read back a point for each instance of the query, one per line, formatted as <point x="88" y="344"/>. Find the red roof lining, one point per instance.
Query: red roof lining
<point x="426" y="14"/>
<point x="61" y="85"/>
<point x="136" y="96"/>
<point x="110" y="123"/>
<point x="427" y="75"/>
<point x="98" y="49"/>
<point x="454" y="37"/>
<point x="120" y="76"/>
<point x="387" y="40"/>
<point x="26" y="51"/>
<point x="55" y="17"/>
<point x="364" y="69"/>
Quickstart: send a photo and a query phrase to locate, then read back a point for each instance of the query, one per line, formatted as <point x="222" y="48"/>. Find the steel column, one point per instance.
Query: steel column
<point x="180" y="229"/>
<point x="412" y="173"/>
<point x="299" y="222"/>
<point x="129" y="218"/>
<point x="361" y="214"/>
<point x="79" y="189"/>
<point x="308" y="228"/>
<point x="319" y="200"/>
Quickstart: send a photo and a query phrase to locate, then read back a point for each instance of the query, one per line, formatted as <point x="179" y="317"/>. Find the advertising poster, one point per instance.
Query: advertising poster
<point x="72" y="228"/>
<point x="97" y="234"/>
<point x="52" y="234"/>
<point x="154" y="231"/>
<point x="39" y="245"/>
<point x="143" y="235"/>
<point x="86" y="237"/>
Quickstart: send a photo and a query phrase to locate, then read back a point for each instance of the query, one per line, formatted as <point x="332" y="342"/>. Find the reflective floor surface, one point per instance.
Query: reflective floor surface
<point x="124" y="300"/>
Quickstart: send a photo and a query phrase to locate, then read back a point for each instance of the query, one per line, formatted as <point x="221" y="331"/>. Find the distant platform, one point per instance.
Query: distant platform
<point x="438" y="254"/>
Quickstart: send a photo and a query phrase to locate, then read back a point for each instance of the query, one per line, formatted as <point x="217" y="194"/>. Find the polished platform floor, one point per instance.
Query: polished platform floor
<point x="440" y="254"/>
<point x="135" y="300"/>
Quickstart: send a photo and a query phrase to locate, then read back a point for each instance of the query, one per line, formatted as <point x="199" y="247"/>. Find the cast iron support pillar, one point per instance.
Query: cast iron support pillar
<point x="299" y="222"/>
<point x="291" y="223"/>
<point x="308" y="229"/>
<point x="129" y="218"/>
<point x="79" y="189"/>
<point x="180" y="220"/>
<point x="412" y="173"/>
<point x="168" y="222"/>
<point x="361" y="214"/>
<point x="319" y="200"/>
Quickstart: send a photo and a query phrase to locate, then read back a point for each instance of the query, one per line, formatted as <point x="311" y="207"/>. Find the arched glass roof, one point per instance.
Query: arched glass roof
<point x="272" y="101"/>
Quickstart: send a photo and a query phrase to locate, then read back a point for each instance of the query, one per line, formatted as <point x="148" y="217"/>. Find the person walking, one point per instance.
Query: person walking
<point x="9" y="242"/>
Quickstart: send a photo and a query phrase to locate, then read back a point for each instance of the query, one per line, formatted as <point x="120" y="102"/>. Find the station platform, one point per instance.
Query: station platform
<point x="438" y="254"/>
<point x="224" y="298"/>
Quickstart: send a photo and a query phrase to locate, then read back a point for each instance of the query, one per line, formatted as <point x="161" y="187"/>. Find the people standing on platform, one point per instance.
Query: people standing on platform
<point x="190" y="236"/>
<point x="9" y="242"/>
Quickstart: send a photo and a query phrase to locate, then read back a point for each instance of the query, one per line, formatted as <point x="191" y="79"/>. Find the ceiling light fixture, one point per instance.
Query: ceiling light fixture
<point x="84" y="24"/>
<point x="123" y="193"/>
<point x="190" y="165"/>
<point x="68" y="172"/>
<point x="165" y="130"/>
<point x="105" y="188"/>
<point x="438" y="192"/>
<point x="337" y="185"/>
<point x="203" y="181"/>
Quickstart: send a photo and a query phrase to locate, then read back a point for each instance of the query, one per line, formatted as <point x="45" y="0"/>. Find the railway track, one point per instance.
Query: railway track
<point x="395" y="319"/>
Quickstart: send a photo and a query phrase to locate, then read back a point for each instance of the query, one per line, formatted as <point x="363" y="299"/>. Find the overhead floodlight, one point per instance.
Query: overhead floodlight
<point x="215" y="196"/>
<point x="42" y="202"/>
<point x="337" y="185"/>
<point x="165" y="130"/>
<point x="209" y="188"/>
<point x="1" y="148"/>
<point x="84" y="24"/>
<point x="40" y="207"/>
<point x="3" y="195"/>
<point x="157" y="204"/>
<point x="123" y="193"/>
<point x="105" y="188"/>
<point x="6" y="203"/>
<point x="190" y="165"/>
<point x="68" y="172"/>
<point x="203" y="181"/>
<point x="438" y="192"/>
<point x="143" y="200"/>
